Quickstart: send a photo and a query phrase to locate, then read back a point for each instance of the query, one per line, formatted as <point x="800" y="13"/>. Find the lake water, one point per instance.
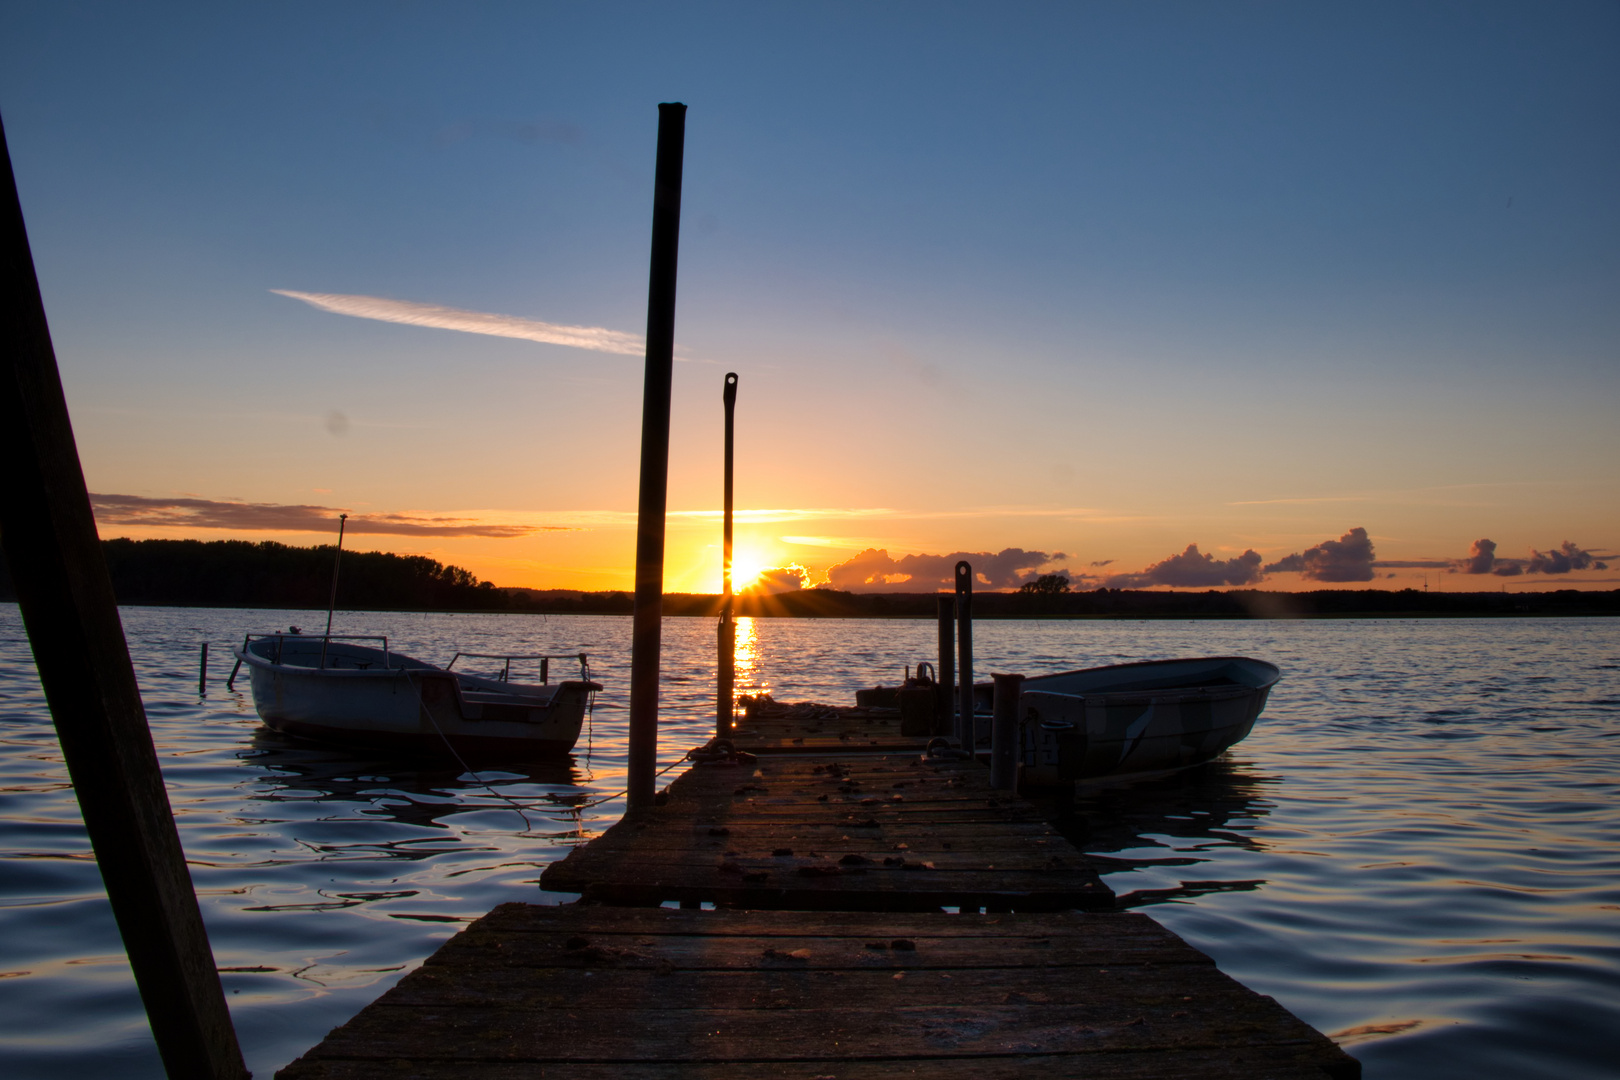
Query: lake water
<point x="1417" y="851"/>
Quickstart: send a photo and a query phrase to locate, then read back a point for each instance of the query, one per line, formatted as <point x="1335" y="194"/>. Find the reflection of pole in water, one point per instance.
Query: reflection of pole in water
<point x="724" y="696"/>
<point x="331" y="604"/>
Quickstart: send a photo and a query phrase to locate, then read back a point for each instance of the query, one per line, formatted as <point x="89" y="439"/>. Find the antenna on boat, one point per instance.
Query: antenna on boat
<point x="337" y="561"/>
<point x="724" y="701"/>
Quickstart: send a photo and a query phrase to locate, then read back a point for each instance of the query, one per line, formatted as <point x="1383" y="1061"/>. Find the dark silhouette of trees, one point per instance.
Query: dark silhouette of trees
<point x="240" y="573"/>
<point x="1045" y="585"/>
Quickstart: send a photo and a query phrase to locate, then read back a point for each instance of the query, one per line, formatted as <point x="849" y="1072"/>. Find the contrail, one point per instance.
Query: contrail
<point x="411" y="313"/>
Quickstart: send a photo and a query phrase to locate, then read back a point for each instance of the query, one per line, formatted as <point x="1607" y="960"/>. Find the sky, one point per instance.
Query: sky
<point x="1153" y="295"/>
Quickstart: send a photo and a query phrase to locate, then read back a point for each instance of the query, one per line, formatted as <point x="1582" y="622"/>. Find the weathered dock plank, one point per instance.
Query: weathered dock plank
<point x="809" y="727"/>
<point x="588" y="991"/>
<point x="868" y="833"/>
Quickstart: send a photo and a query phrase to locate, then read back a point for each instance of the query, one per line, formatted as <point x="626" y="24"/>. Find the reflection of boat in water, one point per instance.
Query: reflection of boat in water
<point x="318" y="687"/>
<point x="414" y="791"/>
<point x="1172" y="837"/>
<point x="1137" y="719"/>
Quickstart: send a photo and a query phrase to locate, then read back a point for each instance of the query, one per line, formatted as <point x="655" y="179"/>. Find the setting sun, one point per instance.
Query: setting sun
<point x="746" y="566"/>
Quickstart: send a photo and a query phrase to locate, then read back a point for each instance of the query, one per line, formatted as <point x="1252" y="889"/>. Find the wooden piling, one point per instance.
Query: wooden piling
<point x="946" y="614"/>
<point x="68" y="607"/>
<point x="202" y="671"/>
<point x="646" y="630"/>
<point x="1004" y="732"/>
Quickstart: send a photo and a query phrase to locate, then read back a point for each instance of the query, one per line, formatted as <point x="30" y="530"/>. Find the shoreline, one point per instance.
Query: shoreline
<point x="1073" y="607"/>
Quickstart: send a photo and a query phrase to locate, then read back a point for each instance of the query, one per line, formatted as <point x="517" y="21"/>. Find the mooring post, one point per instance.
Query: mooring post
<point x="945" y="711"/>
<point x="68" y="607"/>
<point x="1004" y="732"/>
<point x="646" y="629"/>
<point x="202" y="671"/>
<point x="964" y="651"/>
<point x="725" y="695"/>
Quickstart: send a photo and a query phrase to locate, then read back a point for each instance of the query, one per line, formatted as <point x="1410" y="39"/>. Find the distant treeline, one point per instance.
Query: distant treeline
<point x="239" y="573"/>
<point x="1101" y="604"/>
<point x="1130" y="604"/>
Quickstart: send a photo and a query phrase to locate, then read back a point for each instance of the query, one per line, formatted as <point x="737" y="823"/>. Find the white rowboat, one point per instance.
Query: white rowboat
<point x="1136" y="720"/>
<point x="317" y="687"/>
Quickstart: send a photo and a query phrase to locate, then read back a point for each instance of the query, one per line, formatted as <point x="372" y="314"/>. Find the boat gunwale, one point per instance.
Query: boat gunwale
<point x="465" y="681"/>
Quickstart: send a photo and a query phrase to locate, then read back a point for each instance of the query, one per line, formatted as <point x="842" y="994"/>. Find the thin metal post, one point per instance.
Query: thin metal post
<point x="331" y="605"/>
<point x="947" y="665"/>
<point x="646" y="628"/>
<point x="1004" y="732"/>
<point x="725" y="699"/>
<point x="68" y="607"/>
<point x="202" y="671"/>
<point x="964" y="650"/>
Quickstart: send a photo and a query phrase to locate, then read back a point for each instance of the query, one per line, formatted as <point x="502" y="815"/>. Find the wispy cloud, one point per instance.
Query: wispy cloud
<point x="412" y="313"/>
<point x="1302" y="502"/>
<point x="842" y="542"/>
<point x="788" y="514"/>
<point x="191" y="513"/>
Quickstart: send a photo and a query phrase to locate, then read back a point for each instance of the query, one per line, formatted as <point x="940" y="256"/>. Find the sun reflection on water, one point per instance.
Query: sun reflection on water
<point x="750" y="678"/>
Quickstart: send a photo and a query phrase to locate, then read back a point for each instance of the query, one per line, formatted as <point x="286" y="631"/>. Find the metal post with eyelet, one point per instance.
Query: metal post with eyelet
<point x="964" y="649"/>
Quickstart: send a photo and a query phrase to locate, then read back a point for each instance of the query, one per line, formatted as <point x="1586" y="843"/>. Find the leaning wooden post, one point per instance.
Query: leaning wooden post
<point x="646" y="626"/>
<point x="67" y="603"/>
<point x="964" y="648"/>
<point x="727" y="683"/>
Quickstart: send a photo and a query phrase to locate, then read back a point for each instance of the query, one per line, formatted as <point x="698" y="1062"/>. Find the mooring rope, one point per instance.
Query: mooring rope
<point x="528" y="826"/>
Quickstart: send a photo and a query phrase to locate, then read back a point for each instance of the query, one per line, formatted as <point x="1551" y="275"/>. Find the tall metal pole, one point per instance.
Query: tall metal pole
<point x="646" y="629"/>
<point x="331" y="604"/>
<point x="66" y="597"/>
<point x="964" y="648"/>
<point x="725" y="695"/>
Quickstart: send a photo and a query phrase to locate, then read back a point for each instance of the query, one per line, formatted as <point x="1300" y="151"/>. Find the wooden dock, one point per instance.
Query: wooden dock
<point x="872" y="832"/>
<point x="875" y="912"/>
<point x="806" y="727"/>
<point x="603" y="993"/>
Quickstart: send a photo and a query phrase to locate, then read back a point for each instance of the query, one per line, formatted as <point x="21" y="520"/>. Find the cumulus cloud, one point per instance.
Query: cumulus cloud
<point x="1561" y="560"/>
<point x="275" y="517"/>
<point x="411" y="313"/>
<point x="1567" y="557"/>
<point x="1193" y="569"/>
<point x="1481" y="558"/>
<point x="1349" y="558"/>
<point x="874" y="570"/>
<point x="779" y="579"/>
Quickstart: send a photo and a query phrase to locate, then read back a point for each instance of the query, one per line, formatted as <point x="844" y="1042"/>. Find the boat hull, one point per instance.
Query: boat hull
<point x="1137" y="720"/>
<point x="368" y="698"/>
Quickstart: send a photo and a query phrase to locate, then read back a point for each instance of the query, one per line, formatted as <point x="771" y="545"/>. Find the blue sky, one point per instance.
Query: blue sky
<point x="1099" y="279"/>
